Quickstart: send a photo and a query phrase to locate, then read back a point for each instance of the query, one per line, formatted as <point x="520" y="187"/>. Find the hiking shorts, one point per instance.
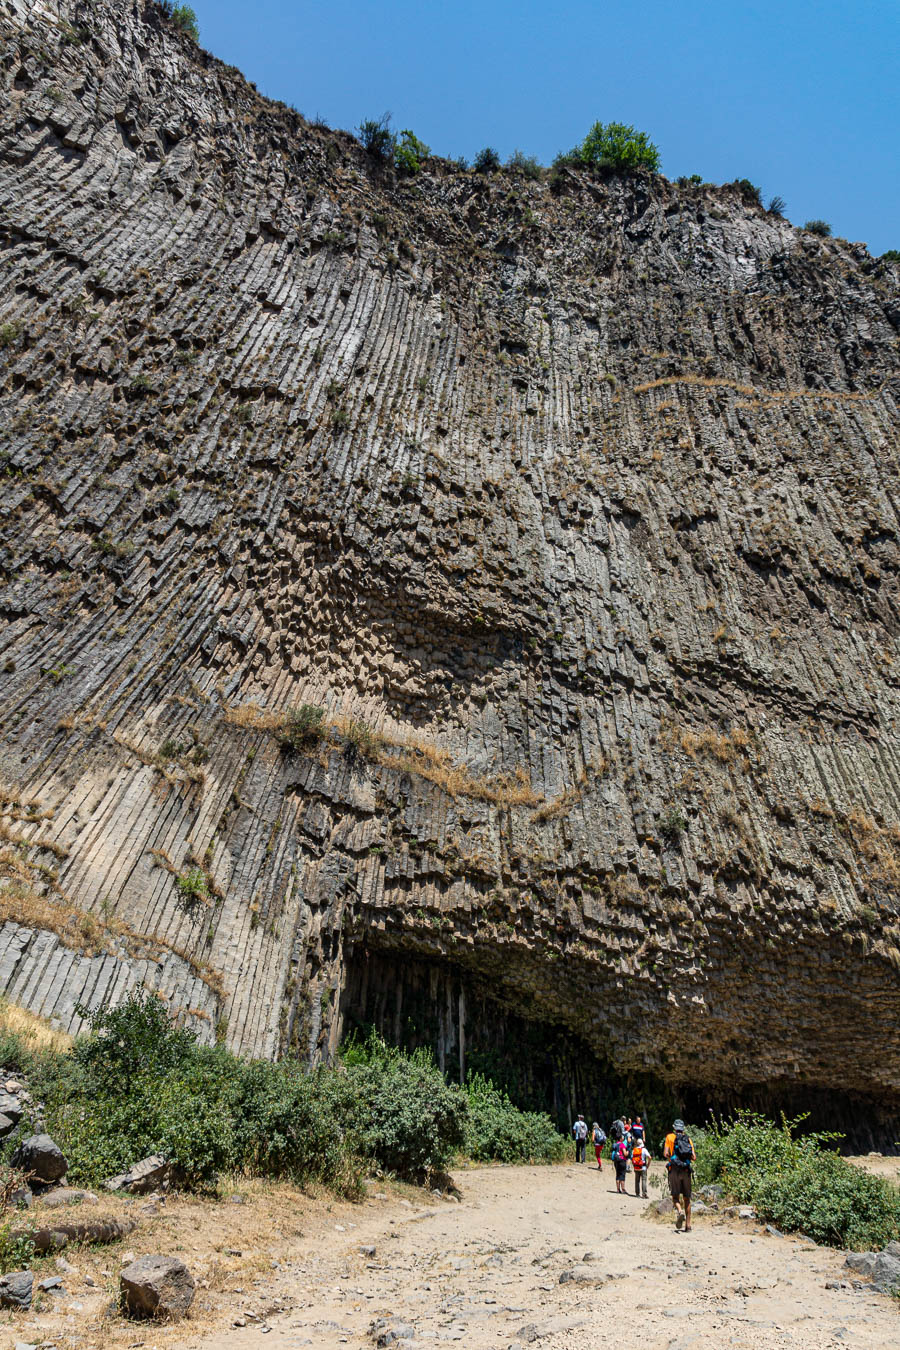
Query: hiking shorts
<point x="679" y="1182"/>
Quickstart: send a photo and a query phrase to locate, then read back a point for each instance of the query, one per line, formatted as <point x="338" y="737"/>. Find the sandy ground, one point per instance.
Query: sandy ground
<point x="484" y="1272"/>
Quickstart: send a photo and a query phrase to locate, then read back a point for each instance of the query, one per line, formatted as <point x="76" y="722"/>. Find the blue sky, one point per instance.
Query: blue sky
<point x="800" y="97"/>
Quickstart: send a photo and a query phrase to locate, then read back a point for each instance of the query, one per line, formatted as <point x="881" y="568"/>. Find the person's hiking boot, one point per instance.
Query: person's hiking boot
<point x="679" y="1221"/>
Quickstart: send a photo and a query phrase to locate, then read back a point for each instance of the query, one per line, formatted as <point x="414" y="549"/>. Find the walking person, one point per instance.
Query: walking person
<point x="620" y="1162"/>
<point x="680" y="1158"/>
<point x="640" y="1161"/>
<point x="598" y="1139"/>
<point x="579" y="1132"/>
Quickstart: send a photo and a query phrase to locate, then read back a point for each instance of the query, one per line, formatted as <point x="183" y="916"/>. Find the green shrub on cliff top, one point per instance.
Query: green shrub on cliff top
<point x="619" y="147"/>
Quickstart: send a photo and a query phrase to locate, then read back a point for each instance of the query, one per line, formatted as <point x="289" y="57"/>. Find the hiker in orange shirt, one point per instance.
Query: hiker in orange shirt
<point x="680" y="1155"/>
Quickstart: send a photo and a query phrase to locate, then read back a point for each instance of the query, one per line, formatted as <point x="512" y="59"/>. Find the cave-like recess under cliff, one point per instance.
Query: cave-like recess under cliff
<point x="571" y="510"/>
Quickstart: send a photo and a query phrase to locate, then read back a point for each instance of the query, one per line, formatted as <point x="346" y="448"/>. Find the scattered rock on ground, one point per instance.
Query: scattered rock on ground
<point x="39" y="1155"/>
<point x="147" y="1175"/>
<point x="16" y="1289"/>
<point x="63" y="1195"/>
<point x="54" y="1238"/>
<point x="578" y="1275"/>
<point x="156" y="1286"/>
<point x="882" y="1268"/>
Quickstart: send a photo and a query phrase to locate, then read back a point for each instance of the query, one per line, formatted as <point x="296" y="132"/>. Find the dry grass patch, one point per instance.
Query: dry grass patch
<point x="404" y="754"/>
<point x="708" y="744"/>
<point x="35" y="1032"/>
<point x="78" y="929"/>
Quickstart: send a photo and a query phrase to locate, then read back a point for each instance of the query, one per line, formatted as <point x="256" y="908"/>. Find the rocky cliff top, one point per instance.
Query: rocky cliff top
<point x="571" y="513"/>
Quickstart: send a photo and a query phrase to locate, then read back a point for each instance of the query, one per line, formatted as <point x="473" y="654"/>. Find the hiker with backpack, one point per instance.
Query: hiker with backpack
<point x="598" y="1139"/>
<point x="620" y="1162"/>
<point x="579" y="1132"/>
<point x="679" y="1153"/>
<point x="640" y="1161"/>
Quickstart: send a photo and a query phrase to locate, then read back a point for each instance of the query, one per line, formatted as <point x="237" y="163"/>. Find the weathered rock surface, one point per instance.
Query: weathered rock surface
<point x="16" y="1289"/>
<point x="144" y="1176"/>
<point x="156" y="1286"/>
<point x="882" y="1268"/>
<point x="42" y="1157"/>
<point x="584" y="499"/>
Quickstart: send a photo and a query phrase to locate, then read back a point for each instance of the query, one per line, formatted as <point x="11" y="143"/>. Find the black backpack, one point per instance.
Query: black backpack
<point x="682" y="1151"/>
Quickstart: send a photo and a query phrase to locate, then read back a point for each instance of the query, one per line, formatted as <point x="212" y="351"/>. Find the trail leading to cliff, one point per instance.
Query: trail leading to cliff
<point x="486" y="1272"/>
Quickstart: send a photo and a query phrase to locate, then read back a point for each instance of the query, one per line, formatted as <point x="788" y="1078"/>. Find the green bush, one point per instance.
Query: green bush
<point x="486" y="161"/>
<point x="797" y="1181"/>
<point x="749" y="192"/>
<point x="889" y="255"/>
<point x="183" y="17"/>
<point x="135" y="1040"/>
<point x="619" y="147"/>
<point x="819" y="227"/>
<point x="525" y="165"/>
<point x="409" y="152"/>
<point x="301" y="727"/>
<point x="139" y="1085"/>
<point x="404" y="1115"/>
<point x="378" y="140"/>
<point x="498" y="1129"/>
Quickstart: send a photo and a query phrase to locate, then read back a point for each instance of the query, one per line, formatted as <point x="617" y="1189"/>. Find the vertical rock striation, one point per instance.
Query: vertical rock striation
<point x="572" y="508"/>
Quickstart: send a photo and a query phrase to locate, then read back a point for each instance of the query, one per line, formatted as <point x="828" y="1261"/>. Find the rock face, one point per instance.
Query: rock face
<point x="570" y="510"/>
<point x="40" y="1156"/>
<point x="156" y="1286"/>
<point x="16" y="1289"/>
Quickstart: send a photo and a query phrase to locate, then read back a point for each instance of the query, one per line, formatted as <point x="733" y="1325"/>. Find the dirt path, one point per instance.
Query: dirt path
<point x="486" y="1273"/>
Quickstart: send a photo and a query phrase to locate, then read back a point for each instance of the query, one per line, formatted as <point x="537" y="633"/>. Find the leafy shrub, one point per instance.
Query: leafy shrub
<point x="486" y="161"/>
<point x="403" y="1113"/>
<point x="8" y="334"/>
<point x="672" y="824"/>
<point x="133" y="1040"/>
<point x="360" y="741"/>
<point x="409" y="152"/>
<point x="797" y="1181"/>
<point x="193" y="887"/>
<point x="378" y="140"/>
<point x="889" y="255"/>
<point x="617" y="146"/>
<point x="498" y="1129"/>
<point x="689" y="180"/>
<point x="525" y="165"/>
<point x="301" y="726"/>
<point x="750" y="193"/>
<point x="183" y="17"/>
<point x="820" y="227"/>
<point x="139" y="1085"/>
<point x="777" y="206"/>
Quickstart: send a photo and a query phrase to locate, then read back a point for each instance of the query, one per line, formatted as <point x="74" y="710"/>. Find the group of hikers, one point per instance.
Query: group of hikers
<point x="629" y="1152"/>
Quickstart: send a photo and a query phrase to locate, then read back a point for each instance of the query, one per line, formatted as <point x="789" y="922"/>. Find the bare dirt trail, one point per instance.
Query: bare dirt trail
<point x="486" y="1273"/>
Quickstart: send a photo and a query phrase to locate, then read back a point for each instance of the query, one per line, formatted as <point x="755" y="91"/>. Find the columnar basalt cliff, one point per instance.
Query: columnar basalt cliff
<point x="571" y="511"/>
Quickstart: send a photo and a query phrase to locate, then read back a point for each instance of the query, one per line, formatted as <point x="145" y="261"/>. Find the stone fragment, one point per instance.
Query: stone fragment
<point x="16" y="1289"/>
<point x="580" y="1276"/>
<point x="143" y="1176"/>
<point x="11" y="1107"/>
<point x="156" y="1286"/>
<point x="44" y="1159"/>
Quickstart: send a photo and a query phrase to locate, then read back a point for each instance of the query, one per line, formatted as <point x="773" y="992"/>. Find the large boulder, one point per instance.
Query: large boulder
<point x="42" y="1158"/>
<point x="882" y="1268"/>
<point x="156" y="1286"/>
<point x="16" y="1289"/>
<point x="147" y="1175"/>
